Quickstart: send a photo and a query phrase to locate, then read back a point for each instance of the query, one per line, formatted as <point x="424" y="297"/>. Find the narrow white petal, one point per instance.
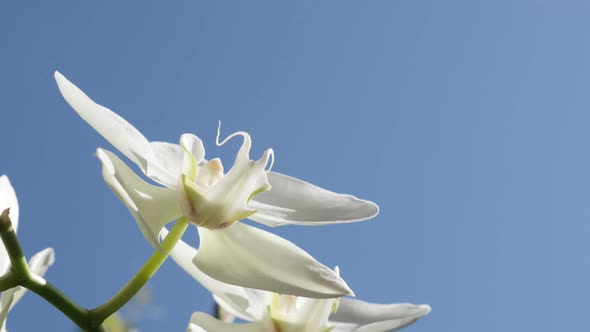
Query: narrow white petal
<point x="38" y="264"/>
<point x="6" y="303"/>
<point x="194" y="145"/>
<point x="120" y="133"/>
<point x="7" y="200"/>
<point x="170" y="156"/>
<point x="201" y="322"/>
<point x="234" y="299"/>
<point x="293" y="201"/>
<point x="41" y="261"/>
<point x="313" y="314"/>
<point x="246" y="256"/>
<point x="151" y="206"/>
<point x="191" y="144"/>
<point x="167" y="164"/>
<point x="360" y="316"/>
<point x="238" y="307"/>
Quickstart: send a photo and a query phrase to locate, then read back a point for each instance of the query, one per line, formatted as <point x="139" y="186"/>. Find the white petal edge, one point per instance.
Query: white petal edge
<point x="294" y="201"/>
<point x="41" y="261"/>
<point x="6" y="303"/>
<point x="38" y="264"/>
<point x="120" y="133"/>
<point x="201" y="322"/>
<point x="7" y="200"/>
<point x="360" y="316"/>
<point x="167" y="164"/>
<point x="250" y="257"/>
<point x="313" y="313"/>
<point x="151" y="206"/>
<point x="235" y="299"/>
<point x="194" y="145"/>
<point x="116" y="130"/>
<point x="170" y="156"/>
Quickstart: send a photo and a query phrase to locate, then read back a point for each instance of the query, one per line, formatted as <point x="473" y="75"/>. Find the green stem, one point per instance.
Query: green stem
<point x="18" y="263"/>
<point x="9" y="280"/>
<point x="99" y="314"/>
<point x="19" y="275"/>
<point x="87" y="320"/>
<point x="61" y="301"/>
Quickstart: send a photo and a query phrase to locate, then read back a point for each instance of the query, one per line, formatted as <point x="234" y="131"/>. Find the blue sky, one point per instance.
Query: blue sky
<point x="466" y="121"/>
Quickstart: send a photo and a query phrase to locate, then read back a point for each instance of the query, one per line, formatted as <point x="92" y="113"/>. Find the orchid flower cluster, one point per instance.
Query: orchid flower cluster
<point x="264" y="281"/>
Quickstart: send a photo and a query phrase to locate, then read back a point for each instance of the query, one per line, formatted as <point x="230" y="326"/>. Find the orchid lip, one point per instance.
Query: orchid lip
<point x="212" y="199"/>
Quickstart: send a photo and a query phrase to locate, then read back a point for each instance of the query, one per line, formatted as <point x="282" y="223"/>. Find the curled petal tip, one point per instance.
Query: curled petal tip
<point x="269" y="154"/>
<point x="218" y="133"/>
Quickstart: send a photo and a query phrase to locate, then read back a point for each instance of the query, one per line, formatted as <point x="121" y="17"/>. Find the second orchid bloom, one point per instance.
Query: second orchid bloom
<point x="215" y="201"/>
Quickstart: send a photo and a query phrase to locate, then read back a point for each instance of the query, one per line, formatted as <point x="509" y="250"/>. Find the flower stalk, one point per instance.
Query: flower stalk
<point x="19" y="275"/>
<point x="18" y="265"/>
<point x="99" y="314"/>
<point x="87" y="320"/>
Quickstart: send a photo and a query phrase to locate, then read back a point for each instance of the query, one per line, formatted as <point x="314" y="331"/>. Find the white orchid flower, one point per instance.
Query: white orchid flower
<point x="271" y="312"/>
<point x="38" y="264"/>
<point x="215" y="201"/>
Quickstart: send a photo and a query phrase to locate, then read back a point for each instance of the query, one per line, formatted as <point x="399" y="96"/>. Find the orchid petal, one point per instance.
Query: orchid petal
<point x="246" y="256"/>
<point x="235" y="299"/>
<point x="257" y="304"/>
<point x="170" y="157"/>
<point x="313" y="315"/>
<point x="194" y="148"/>
<point x="359" y="316"/>
<point x="201" y="322"/>
<point x="38" y="264"/>
<point x="6" y="303"/>
<point x="151" y="206"/>
<point x="294" y="201"/>
<point x="41" y="261"/>
<point x="120" y="133"/>
<point x="7" y="201"/>
<point x="162" y="168"/>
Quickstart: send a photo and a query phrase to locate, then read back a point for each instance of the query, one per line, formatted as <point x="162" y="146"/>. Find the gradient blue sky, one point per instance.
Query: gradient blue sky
<point x="467" y="121"/>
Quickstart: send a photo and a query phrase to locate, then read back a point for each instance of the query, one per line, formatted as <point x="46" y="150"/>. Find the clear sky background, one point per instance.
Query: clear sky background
<point x="468" y="122"/>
